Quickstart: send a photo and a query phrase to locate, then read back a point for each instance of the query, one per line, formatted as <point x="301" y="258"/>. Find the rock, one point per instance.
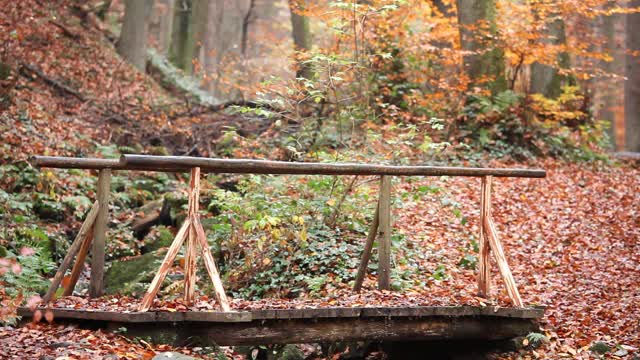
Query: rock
<point x="48" y="209"/>
<point x="158" y="237"/>
<point x="170" y="355"/>
<point x="600" y="347"/>
<point x="133" y="275"/>
<point x="152" y="213"/>
<point x="290" y="352"/>
<point x="176" y="201"/>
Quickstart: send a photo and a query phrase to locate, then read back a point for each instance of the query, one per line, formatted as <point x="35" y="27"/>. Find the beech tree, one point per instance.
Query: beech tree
<point x="485" y="61"/>
<point x="132" y="44"/>
<point x="632" y="83"/>
<point x="301" y="35"/>
<point x="189" y="23"/>
<point x="546" y="78"/>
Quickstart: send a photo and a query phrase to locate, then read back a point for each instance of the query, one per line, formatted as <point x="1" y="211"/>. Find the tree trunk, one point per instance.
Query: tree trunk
<point x="223" y="46"/>
<point x="180" y="34"/>
<point x="632" y="83"/>
<point x="545" y="78"/>
<point x="197" y="28"/>
<point x="162" y="25"/>
<point x="301" y="36"/>
<point x="613" y="87"/>
<point x="133" y="37"/>
<point x="487" y="59"/>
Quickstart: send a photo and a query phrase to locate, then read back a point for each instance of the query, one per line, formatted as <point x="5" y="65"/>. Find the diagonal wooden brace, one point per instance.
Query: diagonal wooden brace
<point x="491" y="236"/>
<point x="78" y="242"/>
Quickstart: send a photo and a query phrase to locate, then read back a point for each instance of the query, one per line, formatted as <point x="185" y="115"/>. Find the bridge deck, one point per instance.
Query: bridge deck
<point x="312" y="325"/>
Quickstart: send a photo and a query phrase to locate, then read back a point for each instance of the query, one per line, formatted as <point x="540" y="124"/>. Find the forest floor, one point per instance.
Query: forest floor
<point x="572" y="239"/>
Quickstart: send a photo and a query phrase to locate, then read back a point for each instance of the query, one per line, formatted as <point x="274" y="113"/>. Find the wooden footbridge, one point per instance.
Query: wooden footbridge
<point x="230" y="327"/>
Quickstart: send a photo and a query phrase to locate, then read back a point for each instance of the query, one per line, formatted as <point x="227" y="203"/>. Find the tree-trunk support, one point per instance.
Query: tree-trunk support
<point x="384" y="249"/>
<point x="96" y="286"/>
<point x="484" y="273"/>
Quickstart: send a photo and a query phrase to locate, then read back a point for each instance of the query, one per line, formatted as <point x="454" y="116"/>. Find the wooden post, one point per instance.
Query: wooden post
<point x="190" y="254"/>
<point x="100" y="234"/>
<point x="484" y="269"/>
<point x="368" y="246"/>
<point x="86" y="227"/>
<point x="384" y="242"/>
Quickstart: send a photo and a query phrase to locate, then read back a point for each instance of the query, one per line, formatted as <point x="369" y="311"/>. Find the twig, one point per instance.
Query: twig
<point x="49" y="81"/>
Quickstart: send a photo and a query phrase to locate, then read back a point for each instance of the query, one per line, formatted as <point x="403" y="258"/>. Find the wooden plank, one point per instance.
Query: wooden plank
<point x="484" y="267"/>
<point x="357" y="329"/>
<point x="218" y="316"/>
<point x="501" y="259"/>
<point x="73" y="250"/>
<point x="210" y="265"/>
<point x="368" y="247"/>
<point x="250" y="166"/>
<point x="78" y="266"/>
<point x="165" y="266"/>
<point x="384" y="242"/>
<point x="96" y="285"/>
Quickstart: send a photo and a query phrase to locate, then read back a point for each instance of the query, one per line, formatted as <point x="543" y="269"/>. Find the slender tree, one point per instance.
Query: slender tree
<point x="613" y="87"/>
<point x="162" y="24"/>
<point x="485" y="60"/>
<point x="546" y="78"/>
<point x="132" y="44"/>
<point x="301" y="36"/>
<point x="632" y="83"/>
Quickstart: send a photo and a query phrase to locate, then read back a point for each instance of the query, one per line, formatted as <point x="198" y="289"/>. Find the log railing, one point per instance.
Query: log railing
<point x="93" y="230"/>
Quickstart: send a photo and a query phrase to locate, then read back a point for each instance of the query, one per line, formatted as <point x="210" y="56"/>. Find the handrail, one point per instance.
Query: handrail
<point x="193" y="233"/>
<point x="250" y="166"/>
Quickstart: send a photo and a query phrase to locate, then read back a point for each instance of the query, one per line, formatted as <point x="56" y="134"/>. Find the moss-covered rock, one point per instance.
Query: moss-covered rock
<point x="290" y="352"/>
<point x="158" y="237"/>
<point x="132" y="276"/>
<point x="48" y="209"/>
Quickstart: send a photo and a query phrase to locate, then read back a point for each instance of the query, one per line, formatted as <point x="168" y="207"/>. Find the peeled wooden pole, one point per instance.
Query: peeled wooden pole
<point x="79" y="264"/>
<point x="501" y="259"/>
<point x="384" y="243"/>
<point x="368" y="247"/>
<point x="484" y="270"/>
<point x="96" y="287"/>
<point x="210" y="265"/>
<point x="250" y="166"/>
<point x="165" y="266"/>
<point x="190" y="254"/>
<point x="491" y="236"/>
<point x="73" y="250"/>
